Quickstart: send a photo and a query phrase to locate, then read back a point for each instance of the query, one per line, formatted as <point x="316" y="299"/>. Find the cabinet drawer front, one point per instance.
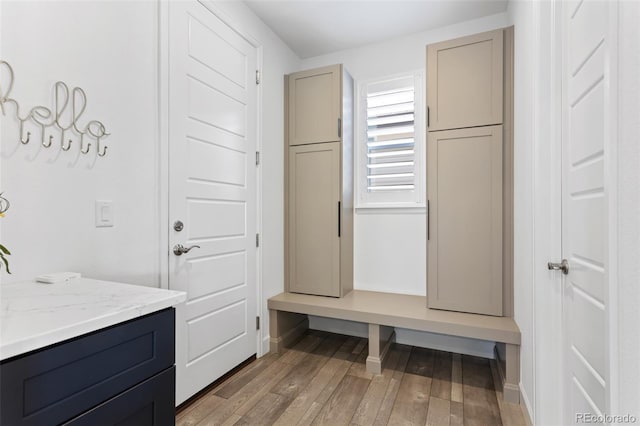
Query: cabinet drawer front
<point x="151" y="403"/>
<point x="57" y="383"/>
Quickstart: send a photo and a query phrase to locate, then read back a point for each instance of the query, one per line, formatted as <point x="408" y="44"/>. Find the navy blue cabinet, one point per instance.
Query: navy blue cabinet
<point x="123" y="374"/>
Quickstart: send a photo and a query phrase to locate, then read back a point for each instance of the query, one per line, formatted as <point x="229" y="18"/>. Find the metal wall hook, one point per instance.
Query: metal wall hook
<point x="68" y="146"/>
<point x="26" y="141"/>
<point x="47" y="145"/>
<point x="104" y="151"/>
<point x="85" y="151"/>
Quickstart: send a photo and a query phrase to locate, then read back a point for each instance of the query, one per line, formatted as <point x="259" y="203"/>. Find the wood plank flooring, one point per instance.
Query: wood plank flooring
<point x="322" y="380"/>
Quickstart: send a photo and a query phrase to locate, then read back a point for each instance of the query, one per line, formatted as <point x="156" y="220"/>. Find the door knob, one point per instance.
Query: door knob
<point x="179" y="249"/>
<point x="562" y="266"/>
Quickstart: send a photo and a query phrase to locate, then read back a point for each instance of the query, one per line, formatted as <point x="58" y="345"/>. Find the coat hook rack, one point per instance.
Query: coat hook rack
<point x="44" y="118"/>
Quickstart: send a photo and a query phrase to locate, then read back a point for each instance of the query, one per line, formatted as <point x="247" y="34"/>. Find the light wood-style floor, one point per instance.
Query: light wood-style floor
<point x="322" y="380"/>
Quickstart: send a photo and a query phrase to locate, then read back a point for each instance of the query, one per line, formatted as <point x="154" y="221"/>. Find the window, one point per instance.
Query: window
<point x="390" y="142"/>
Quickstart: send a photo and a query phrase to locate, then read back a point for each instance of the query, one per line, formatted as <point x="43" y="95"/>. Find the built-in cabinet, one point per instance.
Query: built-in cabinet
<point x="469" y="174"/>
<point x="319" y="182"/>
<point x="464" y="269"/>
<point x="315" y="106"/>
<point x="465" y="81"/>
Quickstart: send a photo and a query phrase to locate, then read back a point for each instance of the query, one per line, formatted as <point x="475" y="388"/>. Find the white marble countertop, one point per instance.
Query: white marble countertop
<point x="35" y="315"/>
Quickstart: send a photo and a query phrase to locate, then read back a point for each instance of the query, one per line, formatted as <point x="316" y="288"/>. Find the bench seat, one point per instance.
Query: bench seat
<point x="384" y="311"/>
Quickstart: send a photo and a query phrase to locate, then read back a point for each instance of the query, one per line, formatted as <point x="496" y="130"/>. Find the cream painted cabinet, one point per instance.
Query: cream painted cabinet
<point x="319" y="182"/>
<point x="465" y="81"/>
<point x="470" y="174"/>
<point x="464" y="271"/>
<point x="314" y="219"/>
<point x="315" y="112"/>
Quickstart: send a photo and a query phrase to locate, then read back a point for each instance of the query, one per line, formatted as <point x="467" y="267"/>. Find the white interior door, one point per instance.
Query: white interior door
<point x="584" y="207"/>
<point x="212" y="191"/>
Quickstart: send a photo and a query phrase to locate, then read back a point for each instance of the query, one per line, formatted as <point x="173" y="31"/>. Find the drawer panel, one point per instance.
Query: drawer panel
<point x="57" y="383"/>
<point x="151" y="403"/>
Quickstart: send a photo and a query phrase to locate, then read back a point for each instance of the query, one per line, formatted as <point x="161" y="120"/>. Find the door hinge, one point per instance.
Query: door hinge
<point x="257" y="76"/>
<point x="257" y="323"/>
<point x="427" y="117"/>
<point x="339" y="127"/>
<point x="257" y="158"/>
<point x="257" y="240"/>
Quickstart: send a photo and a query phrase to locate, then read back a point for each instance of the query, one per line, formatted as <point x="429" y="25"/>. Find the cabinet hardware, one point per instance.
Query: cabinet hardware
<point x="339" y="220"/>
<point x="339" y="127"/>
<point x="428" y="222"/>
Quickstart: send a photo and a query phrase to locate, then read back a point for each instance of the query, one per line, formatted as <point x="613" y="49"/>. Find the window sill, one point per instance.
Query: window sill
<point x="392" y="209"/>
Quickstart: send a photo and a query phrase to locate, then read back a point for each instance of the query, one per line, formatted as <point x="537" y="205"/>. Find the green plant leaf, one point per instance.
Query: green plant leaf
<point x="6" y="263"/>
<point x="4" y="249"/>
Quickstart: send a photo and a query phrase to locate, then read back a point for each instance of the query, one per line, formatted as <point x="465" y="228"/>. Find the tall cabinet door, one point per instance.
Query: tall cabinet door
<point x="465" y="220"/>
<point x="315" y="105"/>
<point x="314" y="221"/>
<point x="464" y="81"/>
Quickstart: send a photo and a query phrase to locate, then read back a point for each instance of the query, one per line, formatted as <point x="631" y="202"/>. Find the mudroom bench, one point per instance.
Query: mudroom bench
<point x="288" y="316"/>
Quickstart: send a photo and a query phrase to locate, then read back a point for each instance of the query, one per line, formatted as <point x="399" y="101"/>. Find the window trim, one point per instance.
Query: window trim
<point x="390" y="200"/>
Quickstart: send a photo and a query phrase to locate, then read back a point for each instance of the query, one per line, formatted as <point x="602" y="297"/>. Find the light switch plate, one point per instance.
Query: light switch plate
<point x="104" y="213"/>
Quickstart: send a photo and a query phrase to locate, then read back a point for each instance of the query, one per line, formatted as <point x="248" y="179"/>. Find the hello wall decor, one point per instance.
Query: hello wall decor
<point x="45" y="118"/>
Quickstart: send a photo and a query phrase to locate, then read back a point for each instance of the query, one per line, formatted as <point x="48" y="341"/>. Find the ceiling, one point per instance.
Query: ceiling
<point x="316" y="27"/>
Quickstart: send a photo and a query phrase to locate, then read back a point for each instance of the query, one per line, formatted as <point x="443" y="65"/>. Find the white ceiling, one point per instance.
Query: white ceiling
<point x="315" y="27"/>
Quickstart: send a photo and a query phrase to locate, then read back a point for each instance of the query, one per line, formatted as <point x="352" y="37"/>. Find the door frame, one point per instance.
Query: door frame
<point x="163" y="149"/>
<point x="547" y="196"/>
<point x="547" y="216"/>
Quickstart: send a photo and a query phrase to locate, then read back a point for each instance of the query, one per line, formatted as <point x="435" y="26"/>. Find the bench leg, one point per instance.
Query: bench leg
<point x="511" y="390"/>
<point x="285" y="328"/>
<point x="509" y="371"/>
<point x="380" y="340"/>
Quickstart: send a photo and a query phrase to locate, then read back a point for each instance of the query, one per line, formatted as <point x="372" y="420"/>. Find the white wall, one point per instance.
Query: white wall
<point x="390" y="247"/>
<point x="108" y="49"/>
<point x="521" y="15"/>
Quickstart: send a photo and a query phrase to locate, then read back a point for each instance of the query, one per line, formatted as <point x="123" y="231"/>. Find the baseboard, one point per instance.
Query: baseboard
<point x="332" y="325"/>
<point x="498" y="381"/>
<point x="527" y="412"/>
<point x="289" y="337"/>
<point x="500" y="367"/>
<point x="387" y="346"/>
<point x="265" y="344"/>
<point x="460" y="345"/>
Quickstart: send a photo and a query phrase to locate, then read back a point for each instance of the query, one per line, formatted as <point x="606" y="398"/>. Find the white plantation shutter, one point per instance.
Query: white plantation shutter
<point x="390" y="139"/>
